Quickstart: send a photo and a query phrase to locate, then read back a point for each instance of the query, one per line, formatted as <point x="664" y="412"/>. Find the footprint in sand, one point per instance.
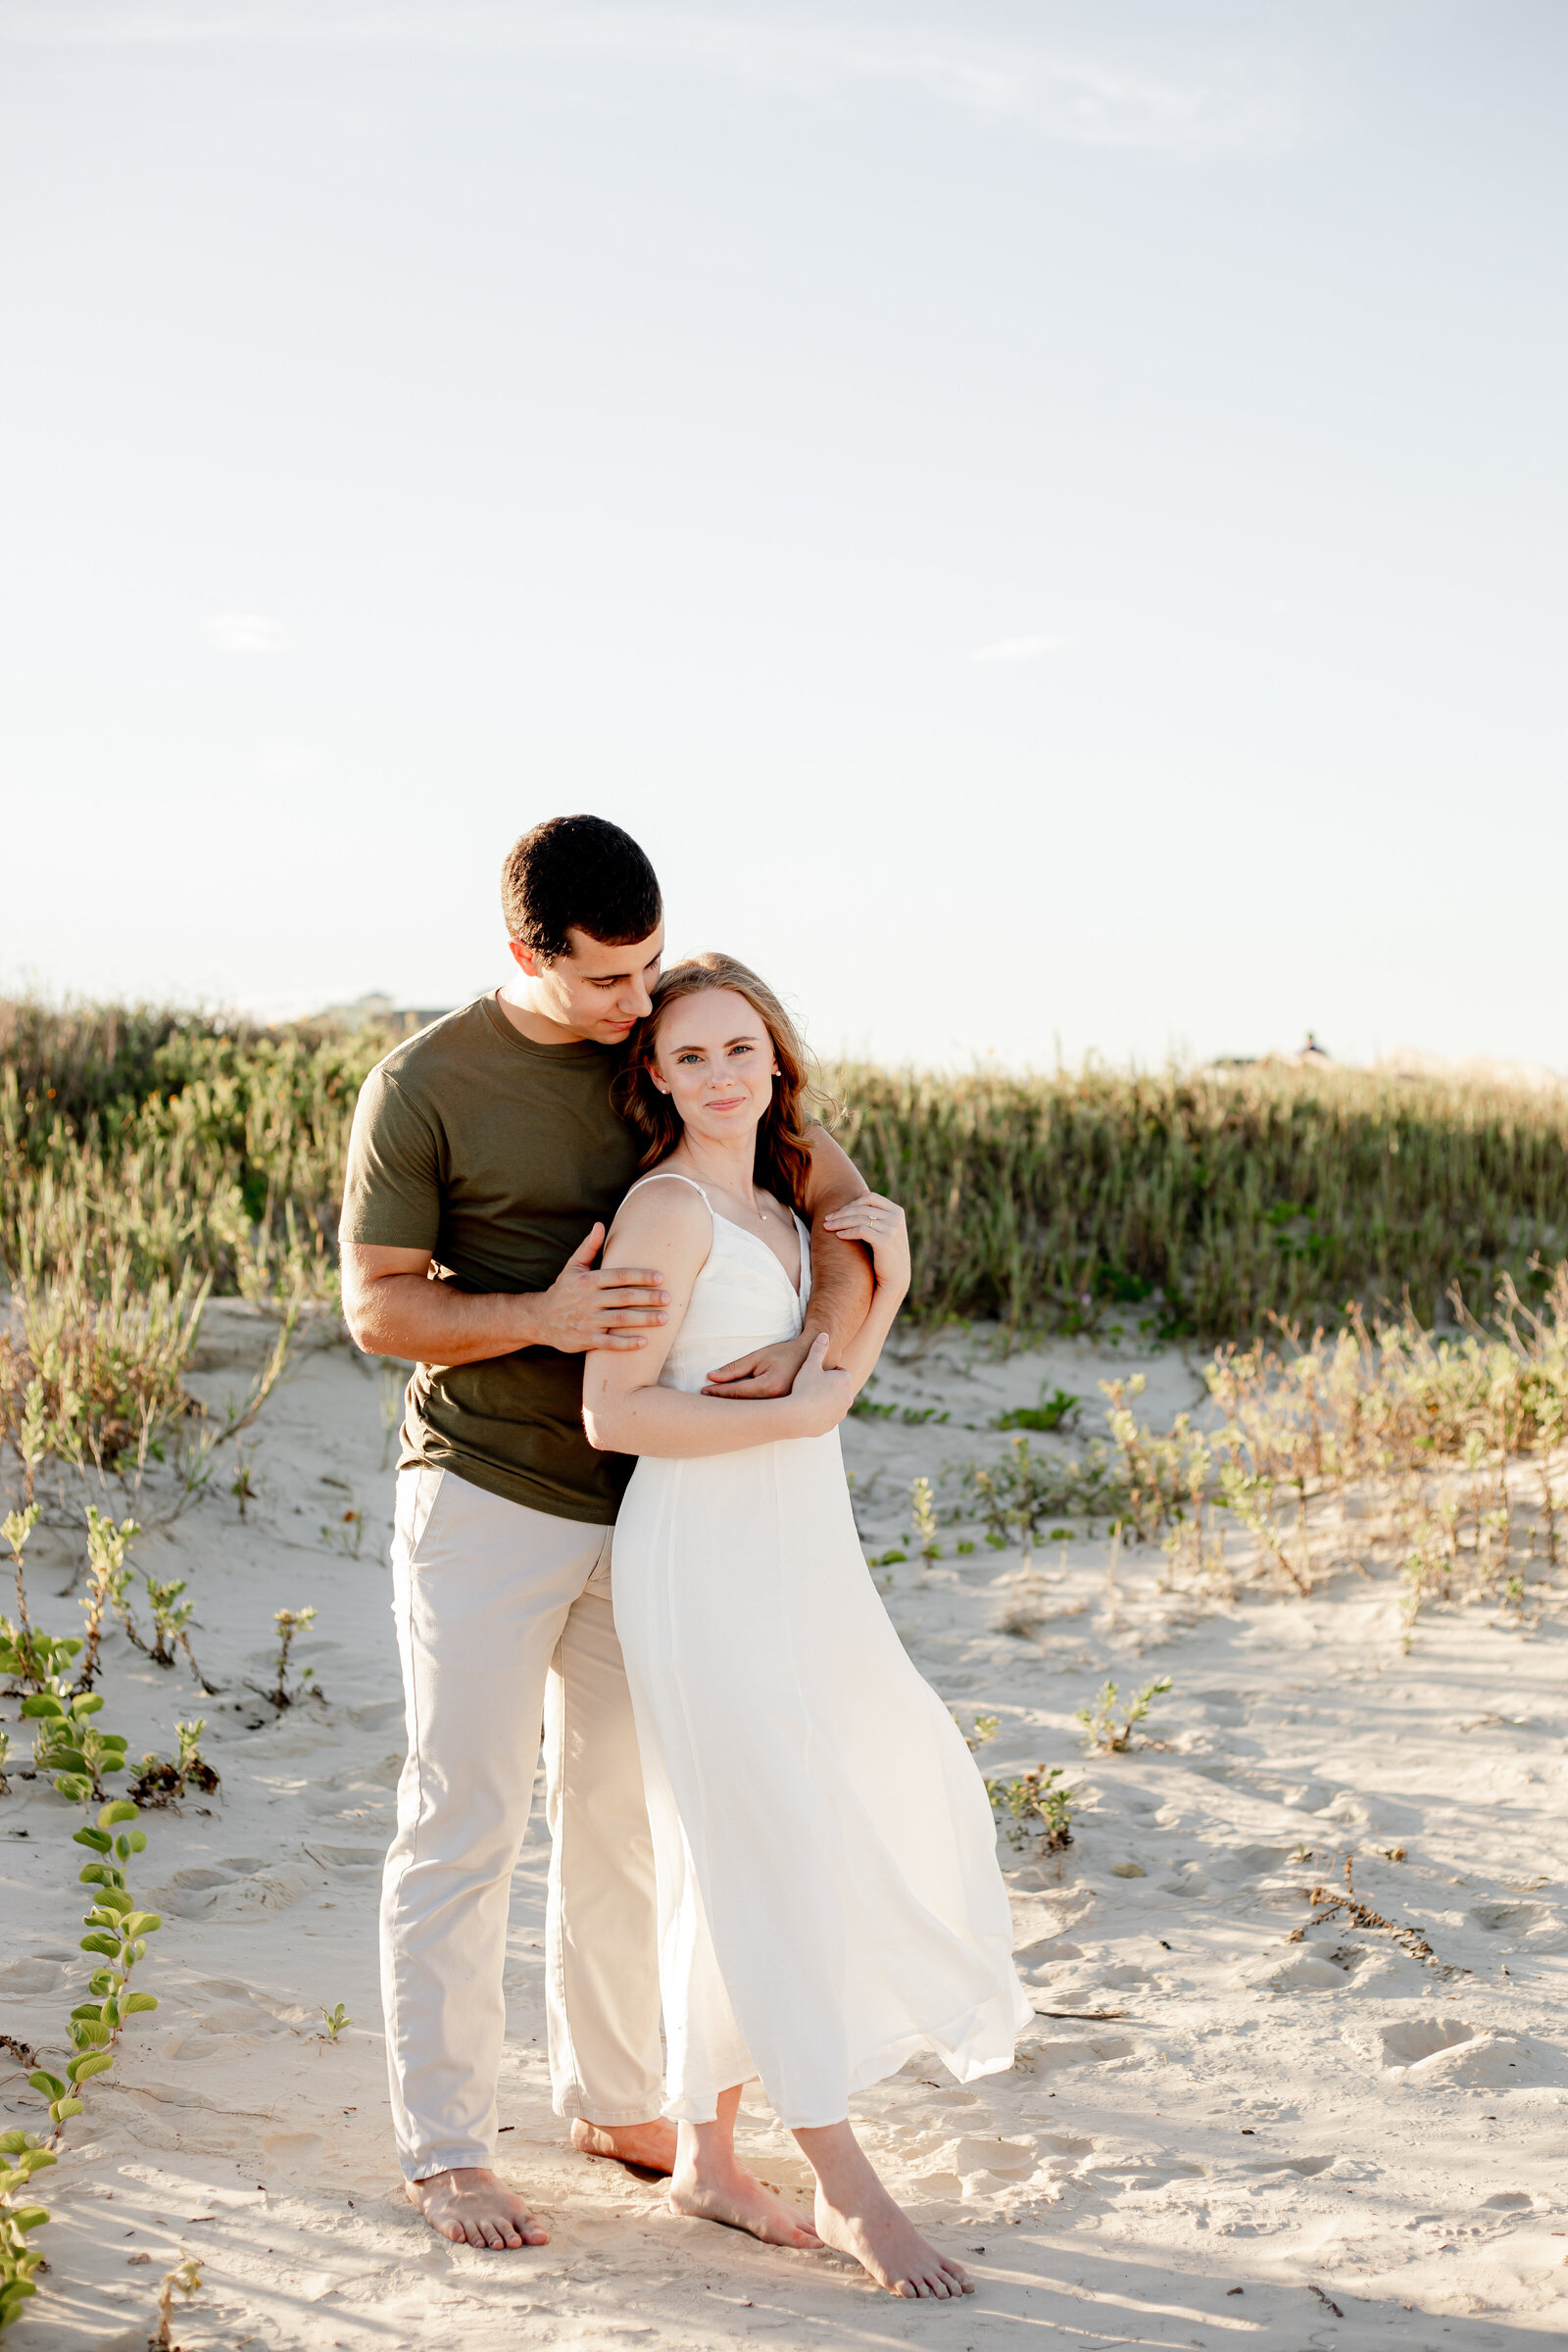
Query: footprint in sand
<point x="29" y="1976"/>
<point x="1534" y="1924"/>
<point x="1304" y="1972"/>
<point x="1445" y="2053"/>
<point x="235" y="1888"/>
<point x="1422" y="2038"/>
<point x="355" y="1858"/>
<point x="972" y="2167"/>
<point x="1487" y="2062"/>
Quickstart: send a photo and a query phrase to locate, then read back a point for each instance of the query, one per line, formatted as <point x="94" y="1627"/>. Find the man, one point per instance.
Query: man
<point x="484" y="1165"/>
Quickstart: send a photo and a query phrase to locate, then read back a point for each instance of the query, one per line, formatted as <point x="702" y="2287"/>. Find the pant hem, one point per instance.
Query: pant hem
<point x="574" y="2106"/>
<point x="425" y="2168"/>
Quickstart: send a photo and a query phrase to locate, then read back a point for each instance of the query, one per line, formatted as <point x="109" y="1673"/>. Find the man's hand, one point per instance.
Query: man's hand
<point x="764" y="1372"/>
<point x="392" y="1307"/>
<point x="584" y="1308"/>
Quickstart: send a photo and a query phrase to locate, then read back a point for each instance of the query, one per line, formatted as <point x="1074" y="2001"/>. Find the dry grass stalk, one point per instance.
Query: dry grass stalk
<point x="1361" y="1915"/>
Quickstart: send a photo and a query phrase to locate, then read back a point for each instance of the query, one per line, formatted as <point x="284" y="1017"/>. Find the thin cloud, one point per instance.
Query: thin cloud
<point x="1023" y="649"/>
<point x="1171" y="96"/>
<point x="243" y="633"/>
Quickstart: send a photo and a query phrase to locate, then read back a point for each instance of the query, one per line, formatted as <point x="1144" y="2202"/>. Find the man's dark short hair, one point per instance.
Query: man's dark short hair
<point x="577" y="873"/>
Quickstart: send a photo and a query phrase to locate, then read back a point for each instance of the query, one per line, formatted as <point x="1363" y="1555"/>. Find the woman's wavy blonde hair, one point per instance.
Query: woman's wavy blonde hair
<point x="783" y="1155"/>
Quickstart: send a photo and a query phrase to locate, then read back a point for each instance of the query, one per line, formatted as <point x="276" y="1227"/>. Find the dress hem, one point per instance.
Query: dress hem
<point x="948" y="2047"/>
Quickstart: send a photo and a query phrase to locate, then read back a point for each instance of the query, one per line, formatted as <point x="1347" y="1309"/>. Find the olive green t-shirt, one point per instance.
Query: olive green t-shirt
<point x="497" y="1156"/>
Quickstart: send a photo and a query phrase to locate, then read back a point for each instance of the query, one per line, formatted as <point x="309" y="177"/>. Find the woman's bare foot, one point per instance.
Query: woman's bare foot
<point x="855" y="2215"/>
<point x="650" y="2144"/>
<point x="730" y="2193"/>
<point x="885" y="2242"/>
<point x="473" y="2208"/>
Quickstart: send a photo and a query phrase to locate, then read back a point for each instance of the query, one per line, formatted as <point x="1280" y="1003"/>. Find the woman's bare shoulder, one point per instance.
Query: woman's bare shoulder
<point x="655" y="1213"/>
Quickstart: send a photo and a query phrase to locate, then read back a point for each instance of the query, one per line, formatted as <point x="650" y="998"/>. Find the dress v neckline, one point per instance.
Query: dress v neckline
<point x="720" y="1217"/>
<point x="802" y="1234"/>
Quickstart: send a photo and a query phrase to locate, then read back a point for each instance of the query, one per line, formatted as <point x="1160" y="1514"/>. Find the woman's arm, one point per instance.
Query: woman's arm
<point x="624" y="1410"/>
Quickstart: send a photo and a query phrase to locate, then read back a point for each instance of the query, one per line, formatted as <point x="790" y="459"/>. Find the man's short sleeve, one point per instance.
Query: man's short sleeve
<point x="391" y="1185"/>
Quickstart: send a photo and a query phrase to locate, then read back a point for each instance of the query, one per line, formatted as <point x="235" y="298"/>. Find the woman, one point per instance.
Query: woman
<point x="829" y="1896"/>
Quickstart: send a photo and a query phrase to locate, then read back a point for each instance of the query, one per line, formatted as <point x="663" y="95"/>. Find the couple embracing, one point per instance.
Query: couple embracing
<point x="642" y="1289"/>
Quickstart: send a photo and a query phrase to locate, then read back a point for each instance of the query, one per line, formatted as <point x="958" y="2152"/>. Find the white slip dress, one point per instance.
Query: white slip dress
<point x="829" y="1899"/>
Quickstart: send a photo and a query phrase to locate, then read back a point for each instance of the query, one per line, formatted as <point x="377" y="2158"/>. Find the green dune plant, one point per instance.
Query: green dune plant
<point x="15" y="1528"/>
<point x="1054" y="1411"/>
<point x="20" y="2156"/>
<point x="117" y="1931"/>
<point x="1017" y="1494"/>
<point x="118" y="1928"/>
<point x="1036" y="1804"/>
<point x="35" y="1658"/>
<point x="172" y="1615"/>
<point x="164" y="1779"/>
<point x="923" y="1516"/>
<point x="290" y="1624"/>
<point x="1110" y="1720"/>
<point x="107" y="1586"/>
<point x="67" y="1748"/>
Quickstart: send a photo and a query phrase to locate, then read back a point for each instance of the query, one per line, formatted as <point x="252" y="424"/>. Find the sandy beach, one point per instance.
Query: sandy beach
<point x="1213" y="2133"/>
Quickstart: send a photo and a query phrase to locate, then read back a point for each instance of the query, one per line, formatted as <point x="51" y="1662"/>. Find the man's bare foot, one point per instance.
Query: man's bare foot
<point x="883" y="2239"/>
<point x="727" y="2193"/>
<point x="473" y="2208"/>
<point x="650" y="2144"/>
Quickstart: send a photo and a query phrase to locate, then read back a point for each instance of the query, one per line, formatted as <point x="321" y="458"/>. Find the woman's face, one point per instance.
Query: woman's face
<point x="714" y="1057"/>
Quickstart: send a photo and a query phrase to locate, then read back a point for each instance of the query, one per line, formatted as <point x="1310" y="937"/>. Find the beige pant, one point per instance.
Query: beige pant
<point x="503" y="1616"/>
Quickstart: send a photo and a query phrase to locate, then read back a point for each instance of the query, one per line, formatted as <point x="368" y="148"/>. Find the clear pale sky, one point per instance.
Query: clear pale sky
<point x="1047" y="521"/>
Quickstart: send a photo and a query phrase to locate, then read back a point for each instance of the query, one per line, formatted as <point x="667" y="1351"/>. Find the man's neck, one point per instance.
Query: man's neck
<point x="515" y="1001"/>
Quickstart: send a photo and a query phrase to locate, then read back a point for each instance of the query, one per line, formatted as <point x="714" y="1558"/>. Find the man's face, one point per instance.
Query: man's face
<point x="594" y="990"/>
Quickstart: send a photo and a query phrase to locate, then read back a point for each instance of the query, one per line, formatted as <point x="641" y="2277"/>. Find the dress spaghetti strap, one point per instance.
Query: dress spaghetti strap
<point x="666" y="1173"/>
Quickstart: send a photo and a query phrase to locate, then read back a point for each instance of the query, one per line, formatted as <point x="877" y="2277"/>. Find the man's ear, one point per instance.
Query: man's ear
<point x="525" y="959"/>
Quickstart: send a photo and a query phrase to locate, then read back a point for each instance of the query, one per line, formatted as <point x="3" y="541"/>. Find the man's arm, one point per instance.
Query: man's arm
<point x="842" y="1276"/>
<point x="842" y="1283"/>
<point x="392" y="1307"/>
<point x="391" y="1220"/>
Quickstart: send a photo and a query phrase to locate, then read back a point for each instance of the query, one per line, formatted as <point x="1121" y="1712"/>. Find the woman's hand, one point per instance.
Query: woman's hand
<point x="820" y="1398"/>
<point x="879" y="1223"/>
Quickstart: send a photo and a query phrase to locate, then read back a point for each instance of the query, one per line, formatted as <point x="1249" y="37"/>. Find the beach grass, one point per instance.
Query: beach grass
<point x="142" y="1145"/>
